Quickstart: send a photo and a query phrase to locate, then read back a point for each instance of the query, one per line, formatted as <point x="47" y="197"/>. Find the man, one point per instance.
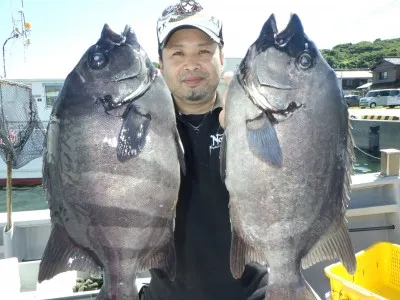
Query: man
<point x="191" y="60"/>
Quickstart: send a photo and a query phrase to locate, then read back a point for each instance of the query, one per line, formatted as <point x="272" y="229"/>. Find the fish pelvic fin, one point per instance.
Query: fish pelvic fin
<point x="334" y="245"/>
<point x="302" y="291"/>
<point x="133" y="134"/>
<point x="61" y="255"/>
<point x="263" y="140"/>
<point x="243" y="253"/>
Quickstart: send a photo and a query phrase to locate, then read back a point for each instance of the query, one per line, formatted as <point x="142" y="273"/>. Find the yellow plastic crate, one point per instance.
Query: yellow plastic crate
<point x="377" y="275"/>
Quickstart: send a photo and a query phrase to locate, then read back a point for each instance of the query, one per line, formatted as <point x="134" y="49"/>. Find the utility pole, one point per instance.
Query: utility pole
<point x="16" y="33"/>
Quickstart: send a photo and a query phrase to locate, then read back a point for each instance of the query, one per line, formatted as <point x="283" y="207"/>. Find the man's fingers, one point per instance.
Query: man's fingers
<point x="228" y="77"/>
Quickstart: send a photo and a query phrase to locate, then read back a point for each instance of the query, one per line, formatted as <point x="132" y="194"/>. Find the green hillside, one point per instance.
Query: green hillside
<point x="362" y="54"/>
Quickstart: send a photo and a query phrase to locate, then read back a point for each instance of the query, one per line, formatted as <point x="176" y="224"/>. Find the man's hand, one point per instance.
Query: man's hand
<point x="227" y="77"/>
<point x="255" y="281"/>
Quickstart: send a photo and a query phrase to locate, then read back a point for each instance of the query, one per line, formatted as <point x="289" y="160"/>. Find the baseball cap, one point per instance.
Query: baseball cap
<point x="187" y="13"/>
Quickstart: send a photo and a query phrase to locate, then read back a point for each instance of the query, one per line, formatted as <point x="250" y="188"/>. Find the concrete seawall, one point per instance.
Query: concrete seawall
<point x="370" y="134"/>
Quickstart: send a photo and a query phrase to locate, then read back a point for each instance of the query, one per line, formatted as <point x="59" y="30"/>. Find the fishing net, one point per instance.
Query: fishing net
<point x="21" y="131"/>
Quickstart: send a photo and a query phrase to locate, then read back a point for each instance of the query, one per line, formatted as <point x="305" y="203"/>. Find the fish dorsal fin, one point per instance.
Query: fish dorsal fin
<point x="61" y="255"/>
<point x="349" y="164"/>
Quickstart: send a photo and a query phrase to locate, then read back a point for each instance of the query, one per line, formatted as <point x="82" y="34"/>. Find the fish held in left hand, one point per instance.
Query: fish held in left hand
<point x="111" y="168"/>
<point x="286" y="158"/>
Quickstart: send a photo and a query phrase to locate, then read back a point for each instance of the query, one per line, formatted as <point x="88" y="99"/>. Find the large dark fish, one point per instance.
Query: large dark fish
<point x="287" y="160"/>
<point x="111" y="168"/>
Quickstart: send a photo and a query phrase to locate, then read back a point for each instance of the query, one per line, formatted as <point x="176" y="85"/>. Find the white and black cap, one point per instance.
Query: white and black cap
<point x="186" y="14"/>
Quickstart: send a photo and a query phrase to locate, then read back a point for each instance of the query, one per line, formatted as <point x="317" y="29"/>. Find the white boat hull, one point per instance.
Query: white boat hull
<point x="28" y="175"/>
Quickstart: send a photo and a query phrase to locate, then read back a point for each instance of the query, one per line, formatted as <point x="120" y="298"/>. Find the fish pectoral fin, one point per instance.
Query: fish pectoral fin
<point x="334" y="245"/>
<point x="222" y="158"/>
<point x="263" y="140"/>
<point x="242" y="253"/>
<point x="164" y="258"/>
<point x="181" y="152"/>
<point x="133" y="134"/>
<point x="61" y="255"/>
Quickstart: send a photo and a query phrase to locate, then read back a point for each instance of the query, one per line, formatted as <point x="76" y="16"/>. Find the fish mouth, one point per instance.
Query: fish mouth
<point x="281" y="115"/>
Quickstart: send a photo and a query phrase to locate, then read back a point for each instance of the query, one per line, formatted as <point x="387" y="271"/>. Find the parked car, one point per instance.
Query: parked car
<point x="352" y="100"/>
<point x="386" y="97"/>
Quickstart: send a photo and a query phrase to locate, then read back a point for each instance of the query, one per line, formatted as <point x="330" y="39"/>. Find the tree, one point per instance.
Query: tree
<point x="360" y="55"/>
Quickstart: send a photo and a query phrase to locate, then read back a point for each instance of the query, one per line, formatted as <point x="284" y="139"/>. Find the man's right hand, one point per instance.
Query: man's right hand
<point x="255" y="280"/>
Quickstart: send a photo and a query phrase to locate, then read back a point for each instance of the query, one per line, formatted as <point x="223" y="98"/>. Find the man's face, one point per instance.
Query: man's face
<point x="191" y="65"/>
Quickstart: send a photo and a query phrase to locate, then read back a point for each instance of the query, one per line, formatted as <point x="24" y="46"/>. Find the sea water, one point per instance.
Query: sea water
<point x="33" y="198"/>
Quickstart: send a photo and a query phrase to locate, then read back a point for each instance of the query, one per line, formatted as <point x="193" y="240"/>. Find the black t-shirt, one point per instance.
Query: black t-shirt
<point x="202" y="225"/>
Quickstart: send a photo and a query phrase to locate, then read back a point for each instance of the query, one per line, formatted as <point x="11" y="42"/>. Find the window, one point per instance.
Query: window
<point x="348" y="82"/>
<point x="51" y="91"/>
<point x="384" y="93"/>
<point x="394" y="93"/>
<point x="383" y="75"/>
<point x="371" y="94"/>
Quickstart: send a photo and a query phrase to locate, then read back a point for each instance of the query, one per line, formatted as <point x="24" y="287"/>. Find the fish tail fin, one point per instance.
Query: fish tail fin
<point x="302" y="291"/>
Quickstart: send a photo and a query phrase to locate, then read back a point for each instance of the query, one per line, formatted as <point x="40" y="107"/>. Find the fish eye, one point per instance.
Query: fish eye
<point x="305" y="60"/>
<point x="98" y="59"/>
